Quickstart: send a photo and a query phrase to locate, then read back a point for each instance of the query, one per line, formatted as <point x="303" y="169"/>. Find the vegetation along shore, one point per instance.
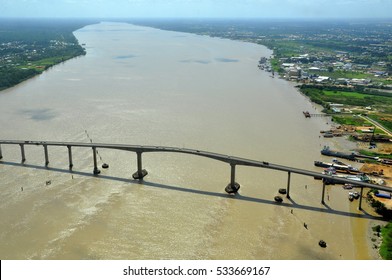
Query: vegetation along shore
<point x="30" y="46"/>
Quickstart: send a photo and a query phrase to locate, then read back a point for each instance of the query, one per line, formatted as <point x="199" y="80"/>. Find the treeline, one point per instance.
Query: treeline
<point x="40" y="30"/>
<point x="14" y="76"/>
<point x="356" y="88"/>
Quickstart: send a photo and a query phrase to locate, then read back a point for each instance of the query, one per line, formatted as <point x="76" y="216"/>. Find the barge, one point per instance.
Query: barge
<point x="338" y="167"/>
<point x="327" y="152"/>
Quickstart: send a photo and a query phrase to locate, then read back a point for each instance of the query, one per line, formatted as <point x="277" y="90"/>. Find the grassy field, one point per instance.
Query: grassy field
<point x="45" y="63"/>
<point x="320" y="95"/>
<point x="380" y="103"/>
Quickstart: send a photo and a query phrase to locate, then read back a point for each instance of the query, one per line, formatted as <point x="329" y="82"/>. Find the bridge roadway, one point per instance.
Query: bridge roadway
<point x="232" y="187"/>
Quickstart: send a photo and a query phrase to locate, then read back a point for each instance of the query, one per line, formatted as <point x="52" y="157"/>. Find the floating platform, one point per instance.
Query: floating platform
<point x="278" y="199"/>
<point x="322" y="244"/>
<point x="282" y="191"/>
<point x="232" y="189"/>
<point x="141" y="175"/>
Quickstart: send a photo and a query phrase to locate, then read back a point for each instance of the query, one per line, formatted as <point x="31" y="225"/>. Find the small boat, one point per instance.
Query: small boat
<point x="351" y="196"/>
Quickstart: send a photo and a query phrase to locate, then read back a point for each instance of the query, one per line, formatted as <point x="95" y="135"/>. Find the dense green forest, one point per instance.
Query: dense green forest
<point x="30" y="46"/>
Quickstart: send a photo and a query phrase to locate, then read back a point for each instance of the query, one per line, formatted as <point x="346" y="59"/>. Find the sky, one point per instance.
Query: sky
<point x="197" y="8"/>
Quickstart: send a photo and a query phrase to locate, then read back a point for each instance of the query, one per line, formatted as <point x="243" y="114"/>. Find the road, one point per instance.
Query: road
<point x="377" y="124"/>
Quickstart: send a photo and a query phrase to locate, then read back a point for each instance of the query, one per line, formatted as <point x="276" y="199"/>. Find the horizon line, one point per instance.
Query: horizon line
<point x="196" y="18"/>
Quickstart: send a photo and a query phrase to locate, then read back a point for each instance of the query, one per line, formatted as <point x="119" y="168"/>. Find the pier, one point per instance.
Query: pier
<point x="309" y="115"/>
<point x="232" y="161"/>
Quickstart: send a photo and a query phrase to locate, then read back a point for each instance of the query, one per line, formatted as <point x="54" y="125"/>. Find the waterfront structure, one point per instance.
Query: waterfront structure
<point x="231" y="188"/>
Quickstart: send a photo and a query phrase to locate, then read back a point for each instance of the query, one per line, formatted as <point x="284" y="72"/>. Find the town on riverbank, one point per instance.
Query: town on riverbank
<point x="30" y="46"/>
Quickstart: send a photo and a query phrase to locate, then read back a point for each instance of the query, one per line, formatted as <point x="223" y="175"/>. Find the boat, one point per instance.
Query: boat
<point x="384" y="195"/>
<point x="326" y="151"/>
<point x="306" y="114"/>
<point x="386" y="161"/>
<point x="329" y="171"/>
<point x="347" y="186"/>
<point x="338" y="167"/>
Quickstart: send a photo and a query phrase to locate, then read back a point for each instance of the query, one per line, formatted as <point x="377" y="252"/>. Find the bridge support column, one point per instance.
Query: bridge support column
<point x="1" y="155"/>
<point x="288" y="184"/>
<point x="96" y="170"/>
<point x="233" y="186"/>
<point x="46" y="155"/>
<point x="70" y="157"/>
<point x="22" y="151"/>
<point x="323" y="194"/>
<point x="360" y="199"/>
<point x="140" y="173"/>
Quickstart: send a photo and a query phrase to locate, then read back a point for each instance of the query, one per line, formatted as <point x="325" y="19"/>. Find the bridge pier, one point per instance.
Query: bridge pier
<point x="22" y="151"/>
<point x="1" y="155"/>
<point x="288" y="184"/>
<point x="46" y="155"/>
<point x="233" y="186"/>
<point x="360" y="199"/>
<point x="70" y="157"/>
<point x="96" y="170"/>
<point x="140" y="173"/>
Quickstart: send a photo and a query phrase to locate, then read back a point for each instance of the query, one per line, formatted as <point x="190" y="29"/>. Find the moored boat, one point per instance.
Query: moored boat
<point x="328" y="152"/>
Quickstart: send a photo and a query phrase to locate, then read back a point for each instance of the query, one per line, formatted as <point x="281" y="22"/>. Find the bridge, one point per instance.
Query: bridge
<point x="231" y="188"/>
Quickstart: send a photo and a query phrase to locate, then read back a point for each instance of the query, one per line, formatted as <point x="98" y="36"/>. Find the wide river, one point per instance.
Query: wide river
<point x="144" y="86"/>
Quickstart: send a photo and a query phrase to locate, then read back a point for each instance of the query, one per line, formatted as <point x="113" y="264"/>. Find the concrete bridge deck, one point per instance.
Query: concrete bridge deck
<point x="233" y="161"/>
